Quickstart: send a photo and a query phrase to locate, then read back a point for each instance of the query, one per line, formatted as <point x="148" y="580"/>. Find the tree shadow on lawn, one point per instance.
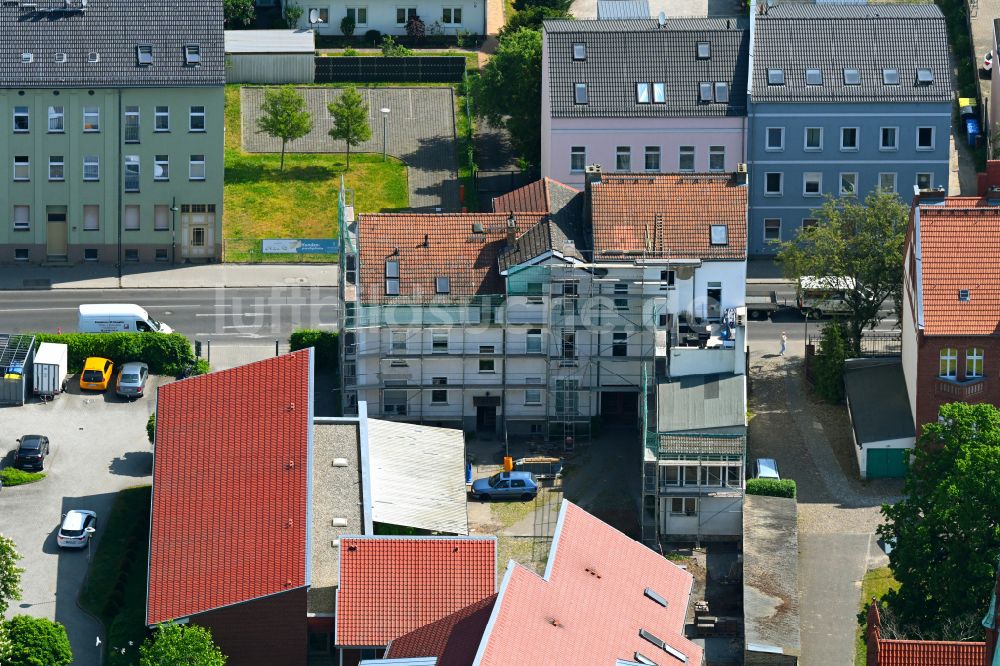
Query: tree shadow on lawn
<point x="248" y="171"/>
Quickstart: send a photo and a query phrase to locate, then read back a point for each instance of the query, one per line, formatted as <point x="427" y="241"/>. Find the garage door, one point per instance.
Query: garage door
<point x="887" y="463"/>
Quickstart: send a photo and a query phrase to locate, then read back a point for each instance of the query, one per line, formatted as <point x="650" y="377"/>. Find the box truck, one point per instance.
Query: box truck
<point x="118" y="318"/>
<point x="50" y="366"/>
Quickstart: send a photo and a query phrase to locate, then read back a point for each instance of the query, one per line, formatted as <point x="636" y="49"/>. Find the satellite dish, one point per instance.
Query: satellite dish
<point x="314" y="16"/>
<point x="662" y="18"/>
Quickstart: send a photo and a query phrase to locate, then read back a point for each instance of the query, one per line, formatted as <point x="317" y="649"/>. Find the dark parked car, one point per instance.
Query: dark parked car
<point x="31" y="452"/>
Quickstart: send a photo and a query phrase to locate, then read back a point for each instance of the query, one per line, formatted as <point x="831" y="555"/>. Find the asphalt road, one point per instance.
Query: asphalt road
<point x="226" y="316"/>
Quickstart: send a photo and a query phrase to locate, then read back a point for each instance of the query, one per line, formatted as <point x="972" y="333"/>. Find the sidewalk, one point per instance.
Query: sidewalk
<point x="168" y="277"/>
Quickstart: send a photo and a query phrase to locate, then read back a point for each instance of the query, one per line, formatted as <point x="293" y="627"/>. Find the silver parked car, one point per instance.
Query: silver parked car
<point x="77" y="528"/>
<point x="132" y="380"/>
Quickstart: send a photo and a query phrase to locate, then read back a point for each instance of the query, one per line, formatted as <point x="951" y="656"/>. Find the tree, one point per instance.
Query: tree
<point x="350" y="120"/>
<point x="532" y="18"/>
<point x="10" y="573"/>
<point x="5" y="644"/>
<point x="237" y="13"/>
<point x="559" y="5"/>
<point x="860" y="244"/>
<point x="347" y="26"/>
<point x="151" y="428"/>
<point x="946" y="530"/>
<point x="508" y="92"/>
<point x="37" y="641"/>
<point x="829" y="363"/>
<point x="180" y="645"/>
<point x="292" y="15"/>
<point x="284" y="116"/>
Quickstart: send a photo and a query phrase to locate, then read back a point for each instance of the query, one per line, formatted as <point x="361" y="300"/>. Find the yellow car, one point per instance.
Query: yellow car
<point x="96" y="373"/>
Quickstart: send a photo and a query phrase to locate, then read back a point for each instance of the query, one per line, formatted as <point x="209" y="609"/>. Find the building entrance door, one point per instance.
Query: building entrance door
<point x="714" y="309"/>
<point x="56" y="235"/>
<point x="486" y="418"/>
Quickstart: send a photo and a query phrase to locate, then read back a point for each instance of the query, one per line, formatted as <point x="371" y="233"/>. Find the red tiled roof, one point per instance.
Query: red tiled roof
<point x="468" y="259"/>
<point x="668" y="216"/>
<point x="390" y="586"/>
<point x="531" y="198"/>
<point x="229" y="487"/>
<point x="960" y="249"/>
<point x="592" y="604"/>
<point x="453" y="639"/>
<point x="929" y="653"/>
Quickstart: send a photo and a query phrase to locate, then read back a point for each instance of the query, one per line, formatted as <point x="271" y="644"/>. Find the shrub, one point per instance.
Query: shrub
<point x="771" y="487"/>
<point x="830" y="363"/>
<point x="391" y="49"/>
<point x="415" y="27"/>
<point x="165" y="354"/>
<point x="18" y="477"/>
<point x="324" y="342"/>
<point x="349" y="52"/>
<point x="347" y="26"/>
<point x="373" y="37"/>
<point x="151" y="427"/>
<point x="37" y="640"/>
<point x="292" y="15"/>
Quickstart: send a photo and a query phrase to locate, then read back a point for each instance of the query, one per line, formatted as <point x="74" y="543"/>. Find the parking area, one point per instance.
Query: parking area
<point x="98" y="446"/>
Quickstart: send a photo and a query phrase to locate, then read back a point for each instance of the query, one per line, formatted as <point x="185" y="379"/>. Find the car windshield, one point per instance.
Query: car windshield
<point x="155" y="324"/>
<point x="92" y="375"/>
<point x="494" y="480"/>
<point x="130" y="379"/>
<point x="30" y="444"/>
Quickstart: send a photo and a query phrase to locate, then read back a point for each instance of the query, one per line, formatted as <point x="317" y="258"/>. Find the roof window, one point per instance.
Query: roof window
<point x="642" y="93"/>
<point x="442" y="284"/>
<point x="925" y="77"/>
<point x="673" y="652"/>
<point x="27" y="57"/>
<point x="144" y="54"/>
<point x="579" y="51"/>
<point x="704" y="50"/>
<point x="814" y="77"/>
<point x="852" y="77"/>
<point x="719" y="236"/>
<point x="580" y="93"/>
<point x="890" y="77"/>
<point x="721" y="92"/>
<point x="392" y="278"/>
<point x="659" y="93"/>
<point x="705" y="91"/>
<point x="643" y="659"/>
<point x="775" y="77"/>
<point x="650" y="592"/>
<point x="963" y="294"/>
<point x="93" y="56"/>
<point x="60" y="57"/>
<point x="192" y="55"/>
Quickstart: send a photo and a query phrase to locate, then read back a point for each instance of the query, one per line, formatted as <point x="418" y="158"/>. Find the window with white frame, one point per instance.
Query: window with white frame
<point x="57" y="168"/>
<point x="685" y="158"/>
<point x="487" y="366"/>
<point x="670" y="475"/>
<point x="579" y="51"/>
<point x="651" y="158"/>
<point x="623" y="158"/>
<point x="451" y="15"/>
<point x="849" y="184"/>
<point x="91" y="167"/>
<point x="196" y="168"/>
<point x="948" y="363"/>
<point x="773" y="183"/>
<point x="133" y="173"/>
<point x="812" y="184"/>
<point x="973" y="362"/>
<point x="161" y="119"/>
<point x="716" y="158"/>
<point x="533" y="396"/>
<point x="56" y="119"/>
<point x="577" y="159"/>
<point x="888" y="138"/>
<point x="131" y="127"/>
<point x="22" y="119"/>
<point x="439" y="341"/>
<point x="734" y="476"/>
<point x="579" y="93"/>
<point x="397" y="342"/>
<point x="322" y="14"/>
<point x="849" y="138"/>
<point x="533" y="343"/>
<point x="659" y="93"/>
<point x="887" y="181"/>
<point x="813" y="139"/>
<point x="196" y="119"/>
<point x="161" y="217"/>
<point x="404" y="14"/>
<point x="925" y="181"/>
<point x="772" y="230"/>
<point x="642" y="93"/>
<point x="161" y="167"/>
<point x="394" y="402"/>
<point x="91" y="218"/>
<point x="925" y="138"/>
<point x="775" y="138"/>
<point x="809" y="223"/>
<point x="91" y="119"/>
<point x="719" y="234"/>
<point x="487" y="349"/>
<point x="619" y="343"/>
<point x="22" y="218"/>
<point x="22" y="168"/>
<point x="132" y="218"/>
<point x="683" y="506"/>
<point x="359" y="15"/>
<point x="439" y="396"/>
<point x="712" y="475"/>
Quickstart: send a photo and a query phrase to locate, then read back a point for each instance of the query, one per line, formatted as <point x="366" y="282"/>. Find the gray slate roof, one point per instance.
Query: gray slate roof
<point x="113" y="29"/>
<point x="621" y="53"/>
<point x="794" y="37"/>
<point x="877" y="399"/>
<point x="564" y="223"/>
<point x="700" y="402"/>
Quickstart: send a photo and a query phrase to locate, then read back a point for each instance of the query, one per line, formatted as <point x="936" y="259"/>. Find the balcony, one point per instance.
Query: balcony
<point x="964" y="390"/>
<point x="131" y="183"/>
<point x="131" y="133"/>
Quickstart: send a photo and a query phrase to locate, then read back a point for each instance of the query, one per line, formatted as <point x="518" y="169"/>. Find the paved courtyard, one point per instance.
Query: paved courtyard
<point x="420" y="131"/>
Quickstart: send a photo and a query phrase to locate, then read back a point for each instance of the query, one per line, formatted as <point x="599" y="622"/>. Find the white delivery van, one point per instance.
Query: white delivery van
<point x="50" y="366"/>
<point x="118" y="318"/>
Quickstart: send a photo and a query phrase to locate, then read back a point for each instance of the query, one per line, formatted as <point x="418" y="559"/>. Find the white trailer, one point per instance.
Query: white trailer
<point x="50" y="368"/>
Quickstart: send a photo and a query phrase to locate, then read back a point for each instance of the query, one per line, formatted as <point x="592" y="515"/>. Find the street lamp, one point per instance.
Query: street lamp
<point x="90" y="537"/>
<point x="173" y="230"/>
<point x="385" y="122"/>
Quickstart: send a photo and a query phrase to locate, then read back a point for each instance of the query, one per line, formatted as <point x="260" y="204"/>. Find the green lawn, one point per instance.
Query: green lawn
<point x="300" y="202"/>
<point x="115" y="589"/>
<point x="875" y="584"/>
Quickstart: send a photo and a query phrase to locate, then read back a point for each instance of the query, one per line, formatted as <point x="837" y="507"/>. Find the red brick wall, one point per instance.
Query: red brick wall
<point x="928" y="355"/>
<point x="266" y="631"/>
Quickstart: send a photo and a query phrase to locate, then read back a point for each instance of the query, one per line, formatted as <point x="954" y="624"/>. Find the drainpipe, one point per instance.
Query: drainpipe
<point x="121" y="186"/>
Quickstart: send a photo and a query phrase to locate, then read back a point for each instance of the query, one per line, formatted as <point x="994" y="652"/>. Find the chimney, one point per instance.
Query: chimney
<point x="591" y="177"/>
<point x="511" y="229"/>
<point x="931" y="197"/>
<point x="427" y="240"/>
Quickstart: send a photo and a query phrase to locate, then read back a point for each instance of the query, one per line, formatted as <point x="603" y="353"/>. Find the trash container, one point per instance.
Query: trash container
<point x="972" y="130"/>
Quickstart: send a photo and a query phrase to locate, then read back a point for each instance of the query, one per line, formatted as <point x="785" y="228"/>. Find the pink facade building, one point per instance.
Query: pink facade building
<point x="635" y="96"/>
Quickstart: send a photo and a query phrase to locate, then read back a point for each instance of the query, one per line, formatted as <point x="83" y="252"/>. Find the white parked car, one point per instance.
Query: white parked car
<point x="78" y="527"/>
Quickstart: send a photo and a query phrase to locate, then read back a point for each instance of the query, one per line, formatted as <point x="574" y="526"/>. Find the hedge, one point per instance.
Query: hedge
<point x="18" y="477"/>
<point x="164" y="354"/>
<point x="325" y="344"/>
<point x="771" y="487"/>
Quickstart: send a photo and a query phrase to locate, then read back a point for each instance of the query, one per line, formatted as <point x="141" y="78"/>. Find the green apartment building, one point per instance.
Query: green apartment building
<point x="111" y="121"/>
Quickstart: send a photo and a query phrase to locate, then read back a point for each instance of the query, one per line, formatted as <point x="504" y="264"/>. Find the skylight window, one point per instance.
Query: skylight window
<point x="704" y="50"/>
<point x="580" y="93"/>
<point x="705" y="91"/>
<point x="392" y="278"/>
<point x="579" y="51"/>
<point x="814" y="77"/>
<point x="719" y="236"/>
<point x="721" y="92"/>
<point x="659" y="93"/>
<point x="643" y="659"/>
<point x="144" y="54"/>
<point x="775" y="77"/>
<point x="60" y="57"/>
<point x="890" y="77"/>
<point x="852" y="77"/>
<point x="963" y="294"/>
<point x="650" y="592"/>
<point x="925" y="77"/>
<point x="192" y="55"/>
<point x="93" y="56"/>
<point x="443" y="284"/>
<point x="658" y="642"/>
<point x="27" y="57"/>
<point x="642" y="93"/>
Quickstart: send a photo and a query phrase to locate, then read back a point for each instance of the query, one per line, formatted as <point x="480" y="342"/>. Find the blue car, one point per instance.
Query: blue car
<point x="506" y="485"/>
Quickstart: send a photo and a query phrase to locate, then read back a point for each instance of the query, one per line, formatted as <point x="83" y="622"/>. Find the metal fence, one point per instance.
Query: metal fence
<point x="360" y="69"/>
<point x="248" y="251"/>
<point x="874" y="344"/>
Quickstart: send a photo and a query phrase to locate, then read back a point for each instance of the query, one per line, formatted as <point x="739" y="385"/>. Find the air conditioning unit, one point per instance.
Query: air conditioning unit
<point x="741" y="167"/>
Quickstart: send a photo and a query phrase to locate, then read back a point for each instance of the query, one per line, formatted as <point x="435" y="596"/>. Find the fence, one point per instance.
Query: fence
<point x="248" y="251"/>
<point x="422" y="69"/>
<point x="874" y="344"/>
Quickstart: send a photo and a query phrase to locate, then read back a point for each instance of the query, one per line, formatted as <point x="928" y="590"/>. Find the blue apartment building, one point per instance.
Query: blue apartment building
<point x="844" y="99"/>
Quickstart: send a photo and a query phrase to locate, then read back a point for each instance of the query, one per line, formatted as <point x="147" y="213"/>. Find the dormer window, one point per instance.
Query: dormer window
<point x="642" y="93"/>
<point x="925" y="77"/>
<point x="144" y="54"/>
<point x="60" y="57"/>
<point x="720" y="234"/>
<point x="93" y="56"/>
<point x="721" y="92"/>
<point x="890" y="77"/>
<point x="579" y="51"/>
<point x="580" y="93"/>
<point x="705" y="92"/>
<point x="775" y="77"/>
<point x="392" y="278"/>
<point x="704" y="50"/>
<point x="192" y="55"/>
<point x="814" y="77"/>
<point x="442" y="284"/>
<point x="852" y="77"/>
<point x="27" y="57"/>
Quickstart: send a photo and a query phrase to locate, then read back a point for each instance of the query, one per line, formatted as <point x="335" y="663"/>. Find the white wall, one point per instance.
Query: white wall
<point x="382" y="16"/>
<point x="716" y="516"/>
<point x="908" y="333"/>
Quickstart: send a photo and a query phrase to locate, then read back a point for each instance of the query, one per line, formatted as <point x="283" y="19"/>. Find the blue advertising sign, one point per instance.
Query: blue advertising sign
<point x="300" y="245"/>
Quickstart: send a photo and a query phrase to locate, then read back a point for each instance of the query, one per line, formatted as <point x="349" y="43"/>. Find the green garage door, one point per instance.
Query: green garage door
<point x="887" y="463"/>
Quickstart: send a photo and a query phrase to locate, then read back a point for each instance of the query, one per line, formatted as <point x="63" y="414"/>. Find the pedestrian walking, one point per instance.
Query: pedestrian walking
<point x="784" y="342"/>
